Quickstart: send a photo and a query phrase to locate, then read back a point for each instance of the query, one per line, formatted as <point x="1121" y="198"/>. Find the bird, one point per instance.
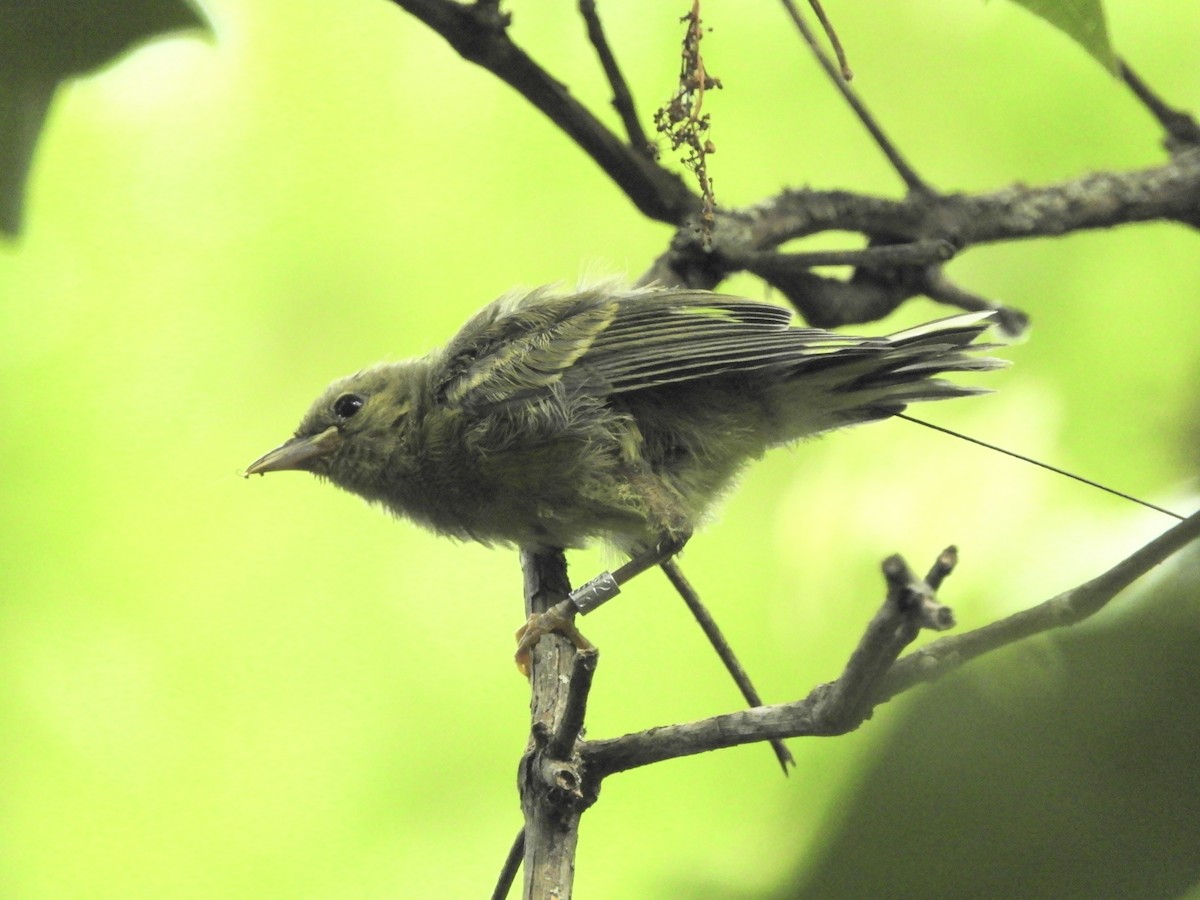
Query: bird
<point x="555" y="418"/>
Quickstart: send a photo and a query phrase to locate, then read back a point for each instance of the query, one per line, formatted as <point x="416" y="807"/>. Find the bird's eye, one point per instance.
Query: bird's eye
<point x="347" y="405"/>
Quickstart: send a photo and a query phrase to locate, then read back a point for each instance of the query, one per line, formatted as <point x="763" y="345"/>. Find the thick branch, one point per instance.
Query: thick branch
<point x="1102" y="200"/>
<point x="738" y="239"/>
<point x="551" y="796"/>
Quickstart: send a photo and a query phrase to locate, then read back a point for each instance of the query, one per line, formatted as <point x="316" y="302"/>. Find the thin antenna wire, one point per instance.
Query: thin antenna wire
<point x="1036" y="462"/>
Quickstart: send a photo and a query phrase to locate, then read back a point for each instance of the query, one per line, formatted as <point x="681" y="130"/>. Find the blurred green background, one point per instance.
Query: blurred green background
<point x="214" y="688"/>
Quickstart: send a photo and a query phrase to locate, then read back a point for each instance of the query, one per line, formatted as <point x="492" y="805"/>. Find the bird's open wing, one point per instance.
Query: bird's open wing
<point x="618" y="342"/>
<point x="517" y="348"/>
<point x="684" y="336"/>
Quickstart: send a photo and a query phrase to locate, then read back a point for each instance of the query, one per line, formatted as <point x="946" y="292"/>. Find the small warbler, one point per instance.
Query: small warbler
<point x="553" y="418"/>
<point x="622" y="414"/>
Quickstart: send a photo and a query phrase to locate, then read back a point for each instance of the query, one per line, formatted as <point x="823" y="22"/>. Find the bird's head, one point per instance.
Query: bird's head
<point x="356" y="434"/>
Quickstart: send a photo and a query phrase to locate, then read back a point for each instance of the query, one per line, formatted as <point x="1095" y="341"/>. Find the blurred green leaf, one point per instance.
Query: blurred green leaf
<point x="1081" y="20"/>
<point x="45" y="42"/>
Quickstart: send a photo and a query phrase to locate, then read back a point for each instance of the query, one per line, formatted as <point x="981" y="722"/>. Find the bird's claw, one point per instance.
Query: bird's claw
<point x="538" y="626"/>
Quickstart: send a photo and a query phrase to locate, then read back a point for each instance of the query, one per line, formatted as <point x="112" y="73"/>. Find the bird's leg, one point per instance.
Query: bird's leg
<point x="582" y="600"/>
<point x="607" y="585"/>
<point x="717" y="639"/>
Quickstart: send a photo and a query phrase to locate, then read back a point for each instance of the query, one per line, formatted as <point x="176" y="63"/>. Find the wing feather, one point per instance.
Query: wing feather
<point x="609" y="341"/>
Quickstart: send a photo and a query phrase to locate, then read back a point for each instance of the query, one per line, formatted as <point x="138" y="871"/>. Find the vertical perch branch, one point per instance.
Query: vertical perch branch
<point x="552" y="797"/>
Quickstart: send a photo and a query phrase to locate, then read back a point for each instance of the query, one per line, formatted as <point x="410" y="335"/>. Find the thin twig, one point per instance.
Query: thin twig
<point x="834" y="41"/>
<point x="1067" y="608"/>
<point x="478" y="32"/>
<point x="622" y="99"/>
<point x="942" y="567"/>
<point x="907" y="173"/>
<point x="549" y="789"/>
<point x="937" y="286"/>
<point x="512" y="865"/>
<point x="909" y="607"/>
<point x="717" y="639"/>
<point x="562" y="740"/>
<point x="1182" y="130"/>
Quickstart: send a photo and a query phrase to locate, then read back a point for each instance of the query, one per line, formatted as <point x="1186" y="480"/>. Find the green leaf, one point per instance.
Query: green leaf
<point x="45" y="42"/>
<point x="1083" y="21"/>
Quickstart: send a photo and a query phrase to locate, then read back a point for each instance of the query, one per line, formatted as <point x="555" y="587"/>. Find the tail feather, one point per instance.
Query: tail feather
<point x="878" y="377"/>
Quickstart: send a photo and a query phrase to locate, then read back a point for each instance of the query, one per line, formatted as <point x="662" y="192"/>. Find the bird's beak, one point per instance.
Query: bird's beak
<point x="298" y="453"/>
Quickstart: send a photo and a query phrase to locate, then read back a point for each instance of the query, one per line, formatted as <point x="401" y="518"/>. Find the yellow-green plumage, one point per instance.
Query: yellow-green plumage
<point x="551" y="419"/>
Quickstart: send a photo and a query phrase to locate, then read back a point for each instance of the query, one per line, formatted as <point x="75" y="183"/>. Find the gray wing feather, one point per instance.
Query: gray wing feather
<point x="674" y="337"/>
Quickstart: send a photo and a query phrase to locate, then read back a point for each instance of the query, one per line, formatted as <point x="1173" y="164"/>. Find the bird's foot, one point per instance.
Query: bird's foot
<point x="541" y="624"/>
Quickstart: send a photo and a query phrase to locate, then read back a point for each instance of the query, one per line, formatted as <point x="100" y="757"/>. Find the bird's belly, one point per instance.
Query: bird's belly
<point x="530" y="503"/>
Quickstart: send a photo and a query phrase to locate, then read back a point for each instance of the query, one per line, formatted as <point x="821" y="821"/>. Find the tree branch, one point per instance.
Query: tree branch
<point x="1067" y="608"/>
<point x="907" y="173"/>
<point x="622" y="99"/>
<point x="907" y="242"/>
<point x="739" y="239"/>
<point x="704" y="252"/>
<point x="512" y="864"/>
<point x="1182" y="131"/>
<point x="552" y="799"/>
<point x="870" y="678"/>
<point x="833" y="708"/>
